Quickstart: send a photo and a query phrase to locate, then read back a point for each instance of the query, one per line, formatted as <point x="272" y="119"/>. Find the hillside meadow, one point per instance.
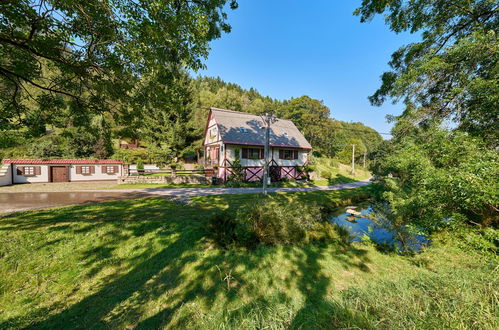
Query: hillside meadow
<point x="148" y="263"/>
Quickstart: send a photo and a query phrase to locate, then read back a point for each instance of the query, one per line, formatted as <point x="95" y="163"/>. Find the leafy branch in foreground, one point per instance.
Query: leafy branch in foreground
<point x="88" y="56"/>
<point x="453" y="72"/>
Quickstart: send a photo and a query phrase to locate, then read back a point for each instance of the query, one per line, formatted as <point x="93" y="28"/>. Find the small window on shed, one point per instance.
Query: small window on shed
<point x="110" y="169"/>
<point x="29" y="170"/>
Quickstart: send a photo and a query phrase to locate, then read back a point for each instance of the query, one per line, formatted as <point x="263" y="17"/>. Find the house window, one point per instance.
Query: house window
<point x="252" y="153"/>
<point x="288" y="154"/>
<point x="85" y="169"/>
<point x="110" y="169"/>
<point x="29" y="170"/>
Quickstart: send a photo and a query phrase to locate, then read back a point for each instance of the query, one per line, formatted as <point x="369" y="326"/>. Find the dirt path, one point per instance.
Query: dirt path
<point x="22" y="201"/>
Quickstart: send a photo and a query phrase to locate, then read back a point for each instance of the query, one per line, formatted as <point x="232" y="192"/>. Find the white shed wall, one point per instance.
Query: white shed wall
<point x="45" y="168"/>
<point x="5" y="175"/>
<point x="43" y="177"/>
<point x="97" y="176"/>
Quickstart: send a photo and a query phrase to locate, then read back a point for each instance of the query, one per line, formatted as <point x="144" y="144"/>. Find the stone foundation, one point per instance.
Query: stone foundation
<point x="191" y="179"/>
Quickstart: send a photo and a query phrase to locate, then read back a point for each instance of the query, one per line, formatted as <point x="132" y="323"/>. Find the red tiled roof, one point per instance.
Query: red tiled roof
<point x="61" y="161"/>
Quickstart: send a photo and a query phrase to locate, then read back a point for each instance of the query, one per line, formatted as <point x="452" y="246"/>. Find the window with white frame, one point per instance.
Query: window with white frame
<point x="85" y="170"/>
<point x="110" y="169"/>
<point x="29" y="170"/>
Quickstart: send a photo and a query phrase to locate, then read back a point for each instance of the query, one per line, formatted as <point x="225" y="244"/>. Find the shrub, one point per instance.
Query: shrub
<point x="140" y="167"/>
<point x="326" y="175"/>
<point x="269" y="223"/>
<point x="47" y="147"/>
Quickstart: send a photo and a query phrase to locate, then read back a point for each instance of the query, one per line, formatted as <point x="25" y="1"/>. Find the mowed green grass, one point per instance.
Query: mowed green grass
<point x="147" y="263"/>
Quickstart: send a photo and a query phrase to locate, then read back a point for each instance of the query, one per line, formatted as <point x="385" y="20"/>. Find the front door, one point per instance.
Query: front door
<point x="59" y="173"/>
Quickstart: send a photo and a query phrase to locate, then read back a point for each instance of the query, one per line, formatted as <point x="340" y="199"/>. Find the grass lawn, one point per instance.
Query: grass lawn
<point x="146" y="263"/>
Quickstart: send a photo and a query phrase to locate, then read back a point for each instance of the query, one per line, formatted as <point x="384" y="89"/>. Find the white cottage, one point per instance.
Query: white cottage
<point x="15" y="171"/>
<point x="230" y="132"/>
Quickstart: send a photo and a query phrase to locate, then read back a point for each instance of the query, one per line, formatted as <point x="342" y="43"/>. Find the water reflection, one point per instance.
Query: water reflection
<point x="365" y="226"/>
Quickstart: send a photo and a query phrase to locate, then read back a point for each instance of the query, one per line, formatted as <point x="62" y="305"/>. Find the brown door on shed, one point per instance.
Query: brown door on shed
<point x="59" y="173"/>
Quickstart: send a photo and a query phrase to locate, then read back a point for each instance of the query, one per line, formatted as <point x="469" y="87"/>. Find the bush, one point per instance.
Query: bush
<point x="326" y="175"/>
<point x="47" y="147"/>
<point x="270" y="223"/>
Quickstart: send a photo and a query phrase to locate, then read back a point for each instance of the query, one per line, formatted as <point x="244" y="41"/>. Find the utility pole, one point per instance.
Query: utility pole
<point x="353" y="159"/>
<point x="364" y="160"/>
<point x="268" y="119"/>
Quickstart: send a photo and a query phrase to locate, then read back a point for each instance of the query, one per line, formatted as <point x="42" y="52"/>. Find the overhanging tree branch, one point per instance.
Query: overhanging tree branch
<point x="8" y="73"/>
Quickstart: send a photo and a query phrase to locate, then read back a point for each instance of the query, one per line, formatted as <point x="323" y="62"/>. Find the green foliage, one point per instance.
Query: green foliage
<point x="237" y="170"/>
<point x="268" y="222"/>
<point x="436" y="175"/>
<point x="77" y="59"/>
<point x="452" y="73"/>
<point x="484" y="240"/>
<point x="140" y="165"/>
<point x="150" y="156"/>
<point x="48" y="147"/>
<point x="326" y="175"/>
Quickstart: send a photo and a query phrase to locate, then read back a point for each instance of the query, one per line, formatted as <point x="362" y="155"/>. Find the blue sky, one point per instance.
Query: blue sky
<point x="289" y="48"/>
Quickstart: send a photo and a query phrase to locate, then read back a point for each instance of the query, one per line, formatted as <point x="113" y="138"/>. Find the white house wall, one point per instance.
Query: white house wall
<point x="5" y="175"/>
<point x="212" y="132"/>
<point x="302" y="157"/>
<point x="97" y="176"/>
<point x="44" y="176"/>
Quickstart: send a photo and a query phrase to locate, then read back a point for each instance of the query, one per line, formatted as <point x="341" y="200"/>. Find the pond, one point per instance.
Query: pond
<point x="362" y="226"/>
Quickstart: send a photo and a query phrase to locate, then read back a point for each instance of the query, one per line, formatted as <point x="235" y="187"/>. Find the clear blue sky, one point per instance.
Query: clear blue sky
<point x="290" y="48"/>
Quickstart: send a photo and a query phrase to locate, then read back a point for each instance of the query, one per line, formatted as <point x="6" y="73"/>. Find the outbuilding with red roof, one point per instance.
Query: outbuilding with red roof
<point x="15" y="171"/>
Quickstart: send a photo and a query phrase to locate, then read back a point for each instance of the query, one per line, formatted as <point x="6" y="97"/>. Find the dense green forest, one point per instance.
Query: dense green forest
<point x="174" y="127"/>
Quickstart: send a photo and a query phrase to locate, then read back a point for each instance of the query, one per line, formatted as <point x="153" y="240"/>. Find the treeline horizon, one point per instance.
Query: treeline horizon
<point x="173" y="126"/>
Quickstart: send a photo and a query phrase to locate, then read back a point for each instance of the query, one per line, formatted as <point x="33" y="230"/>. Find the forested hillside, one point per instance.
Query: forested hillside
<point x="172" y="124"/>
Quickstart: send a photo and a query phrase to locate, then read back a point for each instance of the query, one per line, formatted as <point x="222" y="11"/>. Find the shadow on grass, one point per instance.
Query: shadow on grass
<point x="180" y="271"/>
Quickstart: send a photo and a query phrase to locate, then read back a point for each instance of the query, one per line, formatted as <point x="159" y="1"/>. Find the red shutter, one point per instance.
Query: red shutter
<point x="92" y="169"/>
<point x="245" y="153"/>
<point x="281" y="154"/>
<point x="38" y="170"/>
<point x="104" y="169"/>
<point x="295" y="154"/>
<point x="115" y="168"/>
<point x="20" y="170"/>
<point x="78" y="169"/>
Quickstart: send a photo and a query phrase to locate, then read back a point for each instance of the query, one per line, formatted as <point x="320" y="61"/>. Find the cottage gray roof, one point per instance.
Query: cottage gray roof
<point x="245" y="128"/>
